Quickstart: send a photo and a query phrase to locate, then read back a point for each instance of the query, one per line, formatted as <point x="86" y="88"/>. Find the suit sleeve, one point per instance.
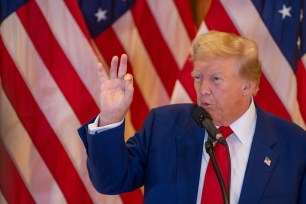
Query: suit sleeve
<point x="114" y="166"/>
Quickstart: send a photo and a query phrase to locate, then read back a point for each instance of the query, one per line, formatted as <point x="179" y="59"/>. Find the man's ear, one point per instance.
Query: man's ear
<point x="248" y="87"/>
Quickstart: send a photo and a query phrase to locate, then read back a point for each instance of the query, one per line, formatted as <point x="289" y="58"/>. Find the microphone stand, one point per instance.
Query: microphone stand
<point x="210" y="151"/>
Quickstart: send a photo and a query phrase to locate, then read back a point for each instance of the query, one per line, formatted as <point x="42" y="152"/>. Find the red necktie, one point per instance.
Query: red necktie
<point x="212" y="193"/>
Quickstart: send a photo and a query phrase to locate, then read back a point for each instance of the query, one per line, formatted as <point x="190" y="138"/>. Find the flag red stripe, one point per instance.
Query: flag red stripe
<point x="218" y="19"/>
<point x="184" y="10"/>
<point x="11" y="183"/>
<point x="301" y="87"/>
<point x="42" y="135"/>
<point x="111" y="46"/>
<point x="265" y="95"/>
<point x="187" y="80"/>
<point x="57" y="62"/>
<point x="155" y="45"/>
<point x="185" y="75"/>
<point x="133" y="197"/>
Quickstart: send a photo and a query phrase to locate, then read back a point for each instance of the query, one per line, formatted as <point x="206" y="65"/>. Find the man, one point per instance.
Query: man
<point x="268" y="154"/>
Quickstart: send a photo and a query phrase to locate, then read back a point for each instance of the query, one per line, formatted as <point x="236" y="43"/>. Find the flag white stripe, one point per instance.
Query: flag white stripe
<point x="2" y="199"/>
<point x="150" y="84"/>
<point x="46" y="92"/>
<point x="278" y="72"/>
<point x="203" y="28"/>
<point x="26" y="158"/>
<point x="179" y="94"/>
<point x="73" y="42"/>
<point x="172" y="29"/>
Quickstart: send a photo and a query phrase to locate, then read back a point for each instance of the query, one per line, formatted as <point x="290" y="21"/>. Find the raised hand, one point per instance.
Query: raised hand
<point x="116" y="91"/>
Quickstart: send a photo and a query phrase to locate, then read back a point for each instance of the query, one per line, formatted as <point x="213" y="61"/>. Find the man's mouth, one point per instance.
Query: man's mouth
<point x="205" y="104"/>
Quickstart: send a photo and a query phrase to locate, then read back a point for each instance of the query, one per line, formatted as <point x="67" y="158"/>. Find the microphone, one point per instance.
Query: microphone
<point x="204" y="120"/>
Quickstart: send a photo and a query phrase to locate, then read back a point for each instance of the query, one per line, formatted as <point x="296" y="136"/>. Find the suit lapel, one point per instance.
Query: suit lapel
<point x="262" y="161"/>
<point x="189" y="155"/>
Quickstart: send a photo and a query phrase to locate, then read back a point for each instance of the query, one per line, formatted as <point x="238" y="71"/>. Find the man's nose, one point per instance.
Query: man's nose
<point x="204" y="88"/>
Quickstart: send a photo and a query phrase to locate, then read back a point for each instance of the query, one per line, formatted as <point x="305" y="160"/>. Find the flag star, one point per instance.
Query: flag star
<point x="101" y="15"/>
<point x="285" y="11"/>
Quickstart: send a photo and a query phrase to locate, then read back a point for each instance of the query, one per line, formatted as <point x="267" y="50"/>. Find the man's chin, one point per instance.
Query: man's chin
<point x="213" y="113"/>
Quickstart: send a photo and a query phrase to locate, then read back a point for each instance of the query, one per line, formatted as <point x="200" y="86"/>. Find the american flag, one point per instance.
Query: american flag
<point x="49" y="51"/>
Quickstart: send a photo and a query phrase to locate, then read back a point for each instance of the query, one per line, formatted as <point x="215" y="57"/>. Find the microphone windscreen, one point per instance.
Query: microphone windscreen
<point x="199" y="114"/>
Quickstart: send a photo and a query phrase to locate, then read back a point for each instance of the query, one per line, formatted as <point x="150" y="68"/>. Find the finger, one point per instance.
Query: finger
<point x="113" y="68"/>
<point x="102" y="74"/>
<point x="128" y="79"/>
<point x="123" y="66"/>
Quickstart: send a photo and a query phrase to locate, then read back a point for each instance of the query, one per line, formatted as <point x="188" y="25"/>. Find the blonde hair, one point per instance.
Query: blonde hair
<point x="214" y="44"/>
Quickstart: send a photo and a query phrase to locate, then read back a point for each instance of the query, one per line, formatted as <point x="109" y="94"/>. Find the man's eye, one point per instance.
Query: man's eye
<point x="197" y="78"/>
<point x="215" y="78"/>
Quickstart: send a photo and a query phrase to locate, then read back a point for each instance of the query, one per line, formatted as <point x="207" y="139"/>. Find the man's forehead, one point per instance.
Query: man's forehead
<point x="215" y="63"/>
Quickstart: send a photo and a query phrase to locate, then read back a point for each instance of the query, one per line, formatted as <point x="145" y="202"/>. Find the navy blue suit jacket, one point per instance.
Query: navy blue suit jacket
<point x="165" y="157"/>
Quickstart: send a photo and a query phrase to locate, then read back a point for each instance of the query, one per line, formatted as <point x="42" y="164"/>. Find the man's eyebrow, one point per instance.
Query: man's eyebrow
<point x="195" y="71"/>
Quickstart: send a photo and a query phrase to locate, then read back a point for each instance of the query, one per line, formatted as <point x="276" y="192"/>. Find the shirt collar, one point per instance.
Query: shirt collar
<point x="245" y="125"/>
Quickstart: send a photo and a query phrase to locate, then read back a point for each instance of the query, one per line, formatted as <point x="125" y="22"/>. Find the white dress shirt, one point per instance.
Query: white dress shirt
<point x="239" y="143"/>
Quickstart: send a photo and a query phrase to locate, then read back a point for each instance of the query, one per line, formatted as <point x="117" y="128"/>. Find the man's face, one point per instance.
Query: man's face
<point x="220" y="90"/>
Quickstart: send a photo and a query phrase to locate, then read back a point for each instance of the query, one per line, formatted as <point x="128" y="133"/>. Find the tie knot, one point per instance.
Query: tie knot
<point x="225" y="131"/>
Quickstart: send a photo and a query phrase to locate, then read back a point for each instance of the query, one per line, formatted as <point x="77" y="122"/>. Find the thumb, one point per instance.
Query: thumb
<point x="129" y="88"/>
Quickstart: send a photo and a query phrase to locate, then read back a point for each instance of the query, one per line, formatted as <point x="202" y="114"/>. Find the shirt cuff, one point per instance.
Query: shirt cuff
<point x="93" y="128"/>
